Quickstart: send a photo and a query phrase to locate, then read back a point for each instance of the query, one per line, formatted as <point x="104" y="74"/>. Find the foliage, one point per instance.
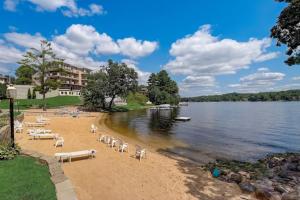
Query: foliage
<point x="287" y="30"/>
<point x="53" y="102"/>
<point x="24" y="75"/>
<point x="115" y="79"/>
<point x="33" y="94"/>
<point x="28" y="94"/>
<point x="7" y="152"/>
<point x="2" y="91"/>
<point x="43" y="61"/>
<point x="290" y="95"/>
<point x="25" y="178"/>
<point x="136" y="97"/>
<point x="162" y="89"/>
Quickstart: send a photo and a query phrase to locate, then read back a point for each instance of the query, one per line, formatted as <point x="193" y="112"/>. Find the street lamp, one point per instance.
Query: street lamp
<point x="11" y="93"/>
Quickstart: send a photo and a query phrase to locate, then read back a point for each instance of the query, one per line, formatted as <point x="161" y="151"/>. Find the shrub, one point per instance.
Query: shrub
<point x="33" y="94"/>
<point x="7" y="152"/>
<point x="28" y="94"/>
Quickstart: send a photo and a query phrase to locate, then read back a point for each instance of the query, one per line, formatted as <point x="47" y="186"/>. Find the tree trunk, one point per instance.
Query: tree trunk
<point x="44" y="102"/>
<point x="111" y="102"/>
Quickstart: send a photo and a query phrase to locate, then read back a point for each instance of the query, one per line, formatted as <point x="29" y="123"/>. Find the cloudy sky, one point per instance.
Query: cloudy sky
<point x="208" y="47"/>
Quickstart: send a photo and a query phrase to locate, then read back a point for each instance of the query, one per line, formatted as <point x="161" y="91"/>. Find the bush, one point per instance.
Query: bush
<point x="33" y="94"/>
<point x="28" y="94"/>
<point x="7" y="152"/>
<point x="136" y="97"/>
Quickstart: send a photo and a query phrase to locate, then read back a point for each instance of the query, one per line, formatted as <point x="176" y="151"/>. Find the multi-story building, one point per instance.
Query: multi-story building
<point x="4" y="79"/>
<point x="72" y="79"/>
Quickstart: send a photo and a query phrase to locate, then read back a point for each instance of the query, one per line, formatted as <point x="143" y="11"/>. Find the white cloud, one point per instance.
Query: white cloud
<point x="136" y="48"/>
<point x="142" y="75"/>
<point x="199" y="81"/>
<point x="204" y="54"/>
<point x="80" y="45"/>
<point x="10" y="5"/>
<point x="261" y="80"/>
<point x="24" y="39"/>
<point x="296" y="78"/>
<point x="69" y="8"/>
<point x="9" y="54"/>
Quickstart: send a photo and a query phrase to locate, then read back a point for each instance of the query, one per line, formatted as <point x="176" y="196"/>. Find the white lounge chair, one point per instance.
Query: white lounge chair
<point x="77" y="154"/>
<point x="123" y="146"/>
<point x="140" y="152"/>
<point x="43" y="135"/>
<point x="93" y="128"/>
<point x="59" y="142"/>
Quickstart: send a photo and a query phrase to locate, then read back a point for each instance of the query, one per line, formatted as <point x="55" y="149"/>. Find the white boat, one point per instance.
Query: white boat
<point x="182" y="118"/>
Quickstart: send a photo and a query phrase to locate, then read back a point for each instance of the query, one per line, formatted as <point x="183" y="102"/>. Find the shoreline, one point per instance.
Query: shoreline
<point x="115" y="175"/>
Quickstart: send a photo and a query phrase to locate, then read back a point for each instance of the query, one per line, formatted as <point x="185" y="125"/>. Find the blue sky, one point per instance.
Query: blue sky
<point x="208" y="47"/>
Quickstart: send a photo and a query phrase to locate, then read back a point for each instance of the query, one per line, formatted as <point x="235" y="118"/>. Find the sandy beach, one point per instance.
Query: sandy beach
<point x="114" y="175"/>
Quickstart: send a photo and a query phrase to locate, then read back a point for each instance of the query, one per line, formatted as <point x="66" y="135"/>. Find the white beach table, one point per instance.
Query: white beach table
<point x="76" y="154"/>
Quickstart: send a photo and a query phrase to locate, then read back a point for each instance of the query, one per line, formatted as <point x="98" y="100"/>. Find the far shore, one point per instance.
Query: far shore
<point x="115" y="175"/>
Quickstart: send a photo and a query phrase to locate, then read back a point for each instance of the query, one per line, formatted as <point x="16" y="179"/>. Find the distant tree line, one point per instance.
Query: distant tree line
<point x="289" y="95"/>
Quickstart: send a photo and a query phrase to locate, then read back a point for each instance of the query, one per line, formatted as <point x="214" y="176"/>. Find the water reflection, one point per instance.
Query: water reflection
<point x="162" y="121"/>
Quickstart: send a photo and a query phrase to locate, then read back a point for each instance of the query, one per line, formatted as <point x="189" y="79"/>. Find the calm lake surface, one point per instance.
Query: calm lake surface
<point x="243" y="131"/>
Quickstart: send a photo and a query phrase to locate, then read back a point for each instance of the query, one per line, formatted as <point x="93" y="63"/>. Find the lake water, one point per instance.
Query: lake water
<point x="243" y="131"/>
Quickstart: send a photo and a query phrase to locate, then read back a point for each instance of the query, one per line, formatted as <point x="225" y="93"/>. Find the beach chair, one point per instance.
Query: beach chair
<point x="123" y="146"/>
<point x="18" y="126"/>
<point x="113" y="142"/>
<point x="59" y="142"/>
<point x="103" y="138"/>
<point x="93" y="128"/>
<point x="77" y="154"/>
<point x="140" y="152"/>
<point x="43" y="135"/>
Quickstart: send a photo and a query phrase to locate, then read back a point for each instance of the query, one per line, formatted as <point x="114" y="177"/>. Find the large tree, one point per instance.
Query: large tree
<point x="113" y="80"/>
<point x="162" y="89"/>
<point x="42" y="61"/>
<point x="24" y="75"/>
<point x="287" y="30"/>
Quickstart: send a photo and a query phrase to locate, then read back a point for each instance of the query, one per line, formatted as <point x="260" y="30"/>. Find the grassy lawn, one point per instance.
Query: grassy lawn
<point x="130" y="106"/>
<point x="52" y="102"/>
<point x="23" y="178"/>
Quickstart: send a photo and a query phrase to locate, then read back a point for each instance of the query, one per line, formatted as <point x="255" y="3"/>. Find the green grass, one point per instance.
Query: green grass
<point x="52" y="102"/>
<point x="23" y="178"/>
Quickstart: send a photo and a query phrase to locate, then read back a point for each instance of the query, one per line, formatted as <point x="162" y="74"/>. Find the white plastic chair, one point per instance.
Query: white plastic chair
<point x="93" y="128"/>
<point x="140" y="152"/>
<point x="123" y="146"/>
<point x="59" y="142"/>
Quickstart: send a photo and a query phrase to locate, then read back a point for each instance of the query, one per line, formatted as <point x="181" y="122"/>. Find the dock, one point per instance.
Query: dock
<point x="182" y="118"/>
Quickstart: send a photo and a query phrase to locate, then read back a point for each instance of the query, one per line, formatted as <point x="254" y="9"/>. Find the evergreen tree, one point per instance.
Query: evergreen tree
<point x="29" y="94"/>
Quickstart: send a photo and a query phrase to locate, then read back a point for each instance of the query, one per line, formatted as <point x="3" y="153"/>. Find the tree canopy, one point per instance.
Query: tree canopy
<point x="162" y="89"/>
<point x="287" y="30"/>
<point x="42" y="61"/>
<point x="111" y="81"/>
<point x="24" y="75"/>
